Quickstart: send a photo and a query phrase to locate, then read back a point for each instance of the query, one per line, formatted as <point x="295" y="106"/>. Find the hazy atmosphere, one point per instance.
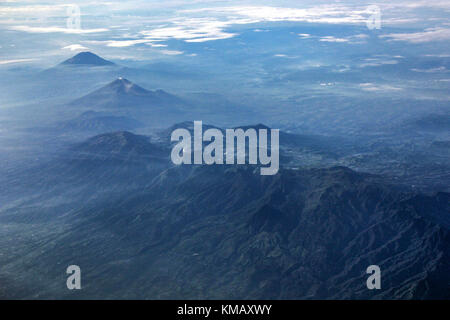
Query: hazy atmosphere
<point x="90" y="96"/>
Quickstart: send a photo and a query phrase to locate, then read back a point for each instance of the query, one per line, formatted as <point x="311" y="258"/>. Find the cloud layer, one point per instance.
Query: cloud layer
<point x="428" y="35"/>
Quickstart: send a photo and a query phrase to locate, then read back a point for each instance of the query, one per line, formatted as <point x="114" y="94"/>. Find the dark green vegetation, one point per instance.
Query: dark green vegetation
<point x="140" y="228"/>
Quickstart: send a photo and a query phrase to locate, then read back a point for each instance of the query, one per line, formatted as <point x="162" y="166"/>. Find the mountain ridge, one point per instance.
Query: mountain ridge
<point x="225" y="232"/>
<point x="122" y="92"/>
<point x="87" y="59"/>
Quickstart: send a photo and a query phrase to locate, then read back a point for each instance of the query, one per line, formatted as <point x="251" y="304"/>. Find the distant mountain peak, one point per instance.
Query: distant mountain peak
<point x="122" y="81"/>
<point x="122" y="85"/>
<point x="122" y="93"/>
<point x="87" y="58"/>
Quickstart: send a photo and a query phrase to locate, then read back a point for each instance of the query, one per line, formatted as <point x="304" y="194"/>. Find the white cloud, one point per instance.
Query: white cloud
<point x="33" y="10"/>
<point x="123" y="43"/>
<point x="208" y="24"/>
<point x="431" y="70"/>
<point x="171" y="52"/>
<point x="56" y="30"/>
<point x="444" y="55"/>
<point x="211" y="23"/>
<point x="376" y="62"/>
<point x="282" y="55"/>
<point x="437" y="4"/>
<point x="116" y="43"/>
<point x="378" y="87"/>
<point x="16" y="61"/>
<point x="192" y="30"/>
<point x="75" y="47"/>
<point x="354" y="39"/>
<point x="430" y="34"/>
<point x="156" y="45"/>
<point x="333" y="39"/>
<point x="334" y="13"/>
<point x="216" y="37"/>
